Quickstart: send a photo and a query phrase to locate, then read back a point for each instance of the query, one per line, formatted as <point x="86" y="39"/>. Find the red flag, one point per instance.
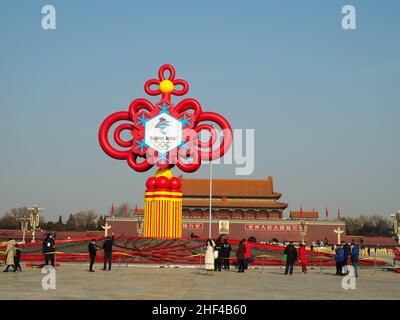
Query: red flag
<point x="112" y="209"/>
<point x="124" y="209"/>
<point x="301" y="212"/>
<point x="136" y="209"/>
<point x="338" y="214"/>
<point x="326" y="214"/>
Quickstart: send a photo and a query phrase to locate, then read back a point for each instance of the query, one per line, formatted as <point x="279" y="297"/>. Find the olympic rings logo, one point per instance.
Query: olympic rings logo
<point x="163" y="145"/>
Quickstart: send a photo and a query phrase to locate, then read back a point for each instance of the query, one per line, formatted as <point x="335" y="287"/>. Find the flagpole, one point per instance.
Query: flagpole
<point x="302" y="232"/>
<point x="210" y="205"/>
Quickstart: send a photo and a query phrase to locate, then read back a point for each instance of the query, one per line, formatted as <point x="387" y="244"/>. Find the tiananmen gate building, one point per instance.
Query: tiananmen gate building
<point x="241" y="208"/>
<point x="232" y="199"/>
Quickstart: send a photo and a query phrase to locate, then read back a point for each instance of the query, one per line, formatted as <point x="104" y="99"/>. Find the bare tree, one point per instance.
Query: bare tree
<point x="120" y="210"/>
<point x="80" y="221"/>
<point x="85" y="220"/>
<point x="10" y="220"/>
<point x="375" y="225"/>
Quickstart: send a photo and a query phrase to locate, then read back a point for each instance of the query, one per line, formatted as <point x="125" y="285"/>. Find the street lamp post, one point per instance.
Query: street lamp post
<point x="34" y="219"/>
<point x="140" y="227"/>
<point x="106" y="227"/>
<point x="338" y="231"/>
<point x="24" y="221"/>
<point x="303" y="231"/>
<point x="396" y="217"/>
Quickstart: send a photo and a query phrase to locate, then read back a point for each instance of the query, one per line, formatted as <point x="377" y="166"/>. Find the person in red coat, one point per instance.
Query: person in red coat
<point x="303" y="258"/>
<point x="247" y="254"/>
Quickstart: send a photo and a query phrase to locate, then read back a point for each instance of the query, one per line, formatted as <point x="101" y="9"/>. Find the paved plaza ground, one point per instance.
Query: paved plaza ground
<point x="140" y="282"/>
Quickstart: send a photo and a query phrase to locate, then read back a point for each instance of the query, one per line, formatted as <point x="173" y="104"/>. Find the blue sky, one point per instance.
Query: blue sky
<point x="324" y="102"/>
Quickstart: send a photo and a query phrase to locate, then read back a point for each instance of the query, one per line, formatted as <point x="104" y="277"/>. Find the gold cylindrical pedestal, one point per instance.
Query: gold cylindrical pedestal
<point x="163" y="214"/>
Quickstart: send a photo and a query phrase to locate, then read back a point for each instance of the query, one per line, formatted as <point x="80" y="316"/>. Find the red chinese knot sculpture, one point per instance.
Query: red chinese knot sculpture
<point x="164" y="134"/>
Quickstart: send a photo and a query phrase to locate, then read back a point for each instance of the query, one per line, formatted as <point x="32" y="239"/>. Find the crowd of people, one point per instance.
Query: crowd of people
<point x="12" y="255"/>
<point x="217" y="255"/>
<point x="343" y="252"/>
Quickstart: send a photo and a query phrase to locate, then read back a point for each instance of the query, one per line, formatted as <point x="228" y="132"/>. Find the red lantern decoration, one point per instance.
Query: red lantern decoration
<point x="151" y="183"/>
<point x="175" y="183"/>
<point x="162" y="183"/>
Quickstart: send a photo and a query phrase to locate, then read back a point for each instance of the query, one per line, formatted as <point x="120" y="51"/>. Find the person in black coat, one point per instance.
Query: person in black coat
<point x="48" y="249"/>
<point x="225" y="253"/>
<point x="218" y="260"/>
<point x="92" y="253"/>
<point x="107" y="247"/>
<point x="17" y="258"/>
<point x="291" y="257"/>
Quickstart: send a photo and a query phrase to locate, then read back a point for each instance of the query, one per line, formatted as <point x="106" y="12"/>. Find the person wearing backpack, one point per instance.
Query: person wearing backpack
<point x="355" y="254"/>
<point x="291" y="257"/>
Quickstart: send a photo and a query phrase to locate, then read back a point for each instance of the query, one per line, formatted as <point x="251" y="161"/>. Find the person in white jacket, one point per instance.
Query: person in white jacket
<point x="10" y="253"/>
<point x="209" y="257"/>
